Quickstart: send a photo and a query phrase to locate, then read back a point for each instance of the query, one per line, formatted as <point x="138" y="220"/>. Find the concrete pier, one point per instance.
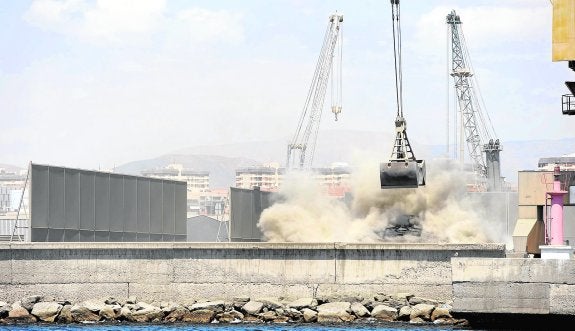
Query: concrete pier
<point x="181" y="271"/>
<point x="517" y="286"/>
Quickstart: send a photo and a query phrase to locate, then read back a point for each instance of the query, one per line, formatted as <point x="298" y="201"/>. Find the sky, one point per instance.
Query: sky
<point x="98" y="83"/>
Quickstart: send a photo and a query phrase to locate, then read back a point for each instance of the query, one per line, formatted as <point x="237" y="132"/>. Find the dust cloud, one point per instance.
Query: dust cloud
<point x="443" y="210"/>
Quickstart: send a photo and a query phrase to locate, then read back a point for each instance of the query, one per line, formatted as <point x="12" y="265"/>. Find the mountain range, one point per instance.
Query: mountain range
<point x="338" y="146"/>
<point x="333" y="146"/>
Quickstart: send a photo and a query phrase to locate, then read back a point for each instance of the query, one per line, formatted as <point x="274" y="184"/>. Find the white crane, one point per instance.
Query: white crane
<point x="479" y="136"/>
<point x="305" y="137"/>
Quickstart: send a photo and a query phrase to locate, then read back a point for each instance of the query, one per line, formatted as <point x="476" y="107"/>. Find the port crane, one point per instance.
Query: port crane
<point x="305" y="137"/>
<point x="480" y="137"/>
<point x="402" y="170"/>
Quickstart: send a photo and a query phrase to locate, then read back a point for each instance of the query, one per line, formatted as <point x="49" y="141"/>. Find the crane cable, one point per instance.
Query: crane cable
<point x="397" y="55"/>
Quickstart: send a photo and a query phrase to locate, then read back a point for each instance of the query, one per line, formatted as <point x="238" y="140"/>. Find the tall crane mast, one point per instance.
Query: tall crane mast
<point x="305" y="137"/>
<point x="478" y="135"/>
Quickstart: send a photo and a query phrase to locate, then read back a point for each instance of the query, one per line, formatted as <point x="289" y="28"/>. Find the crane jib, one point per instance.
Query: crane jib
<point x="305" y="138"/>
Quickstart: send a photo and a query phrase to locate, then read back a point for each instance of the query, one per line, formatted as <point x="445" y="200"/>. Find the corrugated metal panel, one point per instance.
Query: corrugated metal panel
<point x="246" y="208"/>
<point x="80" y="205"/>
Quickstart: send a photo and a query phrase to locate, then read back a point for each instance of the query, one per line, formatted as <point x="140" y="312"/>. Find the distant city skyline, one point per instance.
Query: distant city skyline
<point x="90" y="84"/>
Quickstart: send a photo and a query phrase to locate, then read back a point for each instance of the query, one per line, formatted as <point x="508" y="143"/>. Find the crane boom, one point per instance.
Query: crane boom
<point x="477" y="134"/>
<point x="304" y="140"/>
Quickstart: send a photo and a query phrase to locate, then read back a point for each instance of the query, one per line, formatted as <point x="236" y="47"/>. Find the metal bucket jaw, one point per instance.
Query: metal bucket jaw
<point x="402" y="174"/>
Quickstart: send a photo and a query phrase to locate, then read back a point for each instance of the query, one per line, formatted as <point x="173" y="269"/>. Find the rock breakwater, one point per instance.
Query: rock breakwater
<point x="402" y="307"/>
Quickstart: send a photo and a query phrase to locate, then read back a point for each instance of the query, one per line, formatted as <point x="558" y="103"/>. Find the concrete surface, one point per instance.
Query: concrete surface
<point x="183" y="271"/>
<point x="529" y="286"/>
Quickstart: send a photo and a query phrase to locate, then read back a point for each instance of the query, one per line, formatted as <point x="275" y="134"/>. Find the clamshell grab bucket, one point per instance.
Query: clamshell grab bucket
<point x="402" y="174"/>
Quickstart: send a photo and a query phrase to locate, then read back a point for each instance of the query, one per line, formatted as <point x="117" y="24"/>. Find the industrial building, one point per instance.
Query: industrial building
<point x="203" y="228"/>
<point x="566" y="162"/>
<point x="534" y="208"/>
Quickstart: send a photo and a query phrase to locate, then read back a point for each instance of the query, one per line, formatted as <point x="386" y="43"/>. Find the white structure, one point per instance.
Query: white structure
<point x="270" y="177"/>
<point x="267" y="177"/>
<point x="566" y="162"/>
<point x="196" y="180"/>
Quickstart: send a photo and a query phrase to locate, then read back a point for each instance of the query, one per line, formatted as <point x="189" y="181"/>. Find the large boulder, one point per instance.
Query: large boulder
<point x="359" y="310"/>
<point x="82" y="314"/>
<point x="199" y="316"/>
<point x="294" y="314"/>
<point x="125" y="314"/>
<point x="440" y="312"/>
<point x="216" y="306"/>
<point x="226" y="317"/>
<point x="28" y="302"/>
<point x="111" y="301"/>
<point x="384" y="313"/>
<point x="303" y="303"/>
<point x="309" y="315"/>
<point x="239" y="302"/>
<point x="421" y="310"/>
<point x="268" y="316"/>
<point x="404" y="313"/>
<point x="271" y="303"/>
<point x="417" y="300"/>
<point x="168" y="307"/>
<point x="65" y="315"/>
<point x="94" y="305"/>
<point x="4" y="309"/>
<point x="238" y="315"/>
<point x="46" y="311"/>
<point x="334" y="307"/>
<point x="394" y="301"/>
<point x="148" y="314"/>
<point x="176" y="315"/>
<point x="107" y="313"/>
<point x="334" y="312"/>
<point x="20" y="315"/>
<point x="253" y="307"/>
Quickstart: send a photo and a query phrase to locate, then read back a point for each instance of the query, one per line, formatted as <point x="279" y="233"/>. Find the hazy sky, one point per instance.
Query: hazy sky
<point x="87" y="83"/>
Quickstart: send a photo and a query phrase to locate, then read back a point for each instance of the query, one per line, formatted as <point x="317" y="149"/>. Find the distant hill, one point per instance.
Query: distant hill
<point x="221" y="168"/>
<point x="335" y="146"/>
<point x="343" y="146"/>
<point x="10" y="168"/>
<point x="332" y="146"/>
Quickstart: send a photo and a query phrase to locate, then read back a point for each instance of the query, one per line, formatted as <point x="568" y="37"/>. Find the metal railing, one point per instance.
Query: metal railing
<point x="568" y="104"/>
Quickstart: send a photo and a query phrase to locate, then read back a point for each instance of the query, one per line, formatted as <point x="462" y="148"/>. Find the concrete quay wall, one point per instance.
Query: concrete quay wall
<point x="523" y="286"/>
<point x="183" y="271"/>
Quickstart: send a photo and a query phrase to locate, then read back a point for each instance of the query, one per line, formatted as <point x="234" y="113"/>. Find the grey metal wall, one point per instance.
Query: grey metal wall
<point x="569" y="224"/>
<point x="246" y="207"/>
<point x="71" y="205"/>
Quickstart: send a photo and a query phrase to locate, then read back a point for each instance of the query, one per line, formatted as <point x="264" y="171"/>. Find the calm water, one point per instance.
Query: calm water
<point x="212" y="327"/>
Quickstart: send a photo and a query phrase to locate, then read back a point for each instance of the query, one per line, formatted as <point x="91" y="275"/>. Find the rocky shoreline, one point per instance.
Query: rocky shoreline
<point x="401" y="307"/>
